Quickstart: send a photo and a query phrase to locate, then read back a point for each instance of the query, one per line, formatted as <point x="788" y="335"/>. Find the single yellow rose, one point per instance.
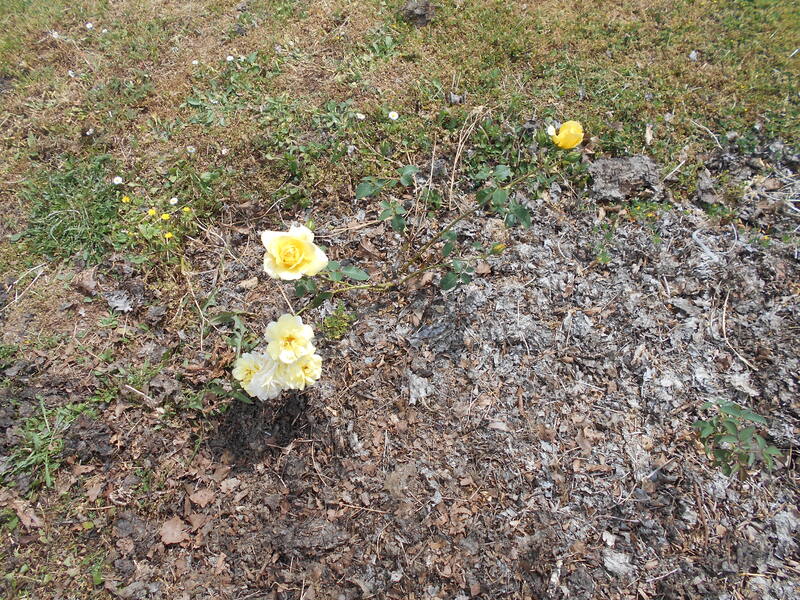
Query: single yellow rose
<point x="289" y="339"/>
<point x="570" y="134"/>
<point x="292" y="254"/>
<point x="257" y="374"/>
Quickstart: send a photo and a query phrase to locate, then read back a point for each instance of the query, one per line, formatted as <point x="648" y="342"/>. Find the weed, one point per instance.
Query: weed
<point x="39" y="450"/>
<point x="338" y="323"/>
<point x="733" y="444"/>
<point x="7" y="354"/>
<point x="73" y="209"/>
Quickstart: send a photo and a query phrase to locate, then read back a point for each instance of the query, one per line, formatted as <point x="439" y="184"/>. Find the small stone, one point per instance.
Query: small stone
<point x="617" y="563"/>
<point x="248" y="284"/>
<point x="418" y="12"/>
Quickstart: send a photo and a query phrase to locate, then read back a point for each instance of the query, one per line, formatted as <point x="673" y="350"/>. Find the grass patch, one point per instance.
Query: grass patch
<point x="73" y="209"/>
<point x="39" y="450"/>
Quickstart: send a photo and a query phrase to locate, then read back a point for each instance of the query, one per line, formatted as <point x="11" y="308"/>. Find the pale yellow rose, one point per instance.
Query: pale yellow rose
<point x="265" y="385"/>
<point x="257" y="374"/>
<point x="289" y="339"/>
<point x="292" y="254"/>
<point x="570" y="134"/>
<point x="247" y="365"/>
<point x="297" y="375"/>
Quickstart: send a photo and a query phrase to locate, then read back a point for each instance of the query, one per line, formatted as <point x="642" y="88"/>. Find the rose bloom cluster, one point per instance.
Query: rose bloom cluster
<point x="290" y="361"/>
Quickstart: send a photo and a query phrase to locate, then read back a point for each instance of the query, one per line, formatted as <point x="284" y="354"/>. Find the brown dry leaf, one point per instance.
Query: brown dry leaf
<point x="198" y="520"/>
<point x="202" y="497"/>
<point x="94" y="490"/>
<point x="499" y="426"/>
<point x="219" y="566"/>
<point x="173" y="531"/>
<point x="483" y="268"/>
<point x="82" y="469"/>
<point x="229" y="485"/>
<point x="26" y="514"/>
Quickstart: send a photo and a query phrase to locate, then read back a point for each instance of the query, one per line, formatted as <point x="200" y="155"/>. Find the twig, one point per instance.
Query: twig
<point x="375" y="510"/>
<point x="23" y="292"/>
<point x="711" y="133"/>
<point x="130" y="388"/>
<point x="725" y="335"/>
<point x="675" y="170"/>
<point x="463" y="137"/>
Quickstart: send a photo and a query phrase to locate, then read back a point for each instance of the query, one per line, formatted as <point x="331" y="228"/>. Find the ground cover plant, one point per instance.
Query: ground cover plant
<point x="323" y="299"/>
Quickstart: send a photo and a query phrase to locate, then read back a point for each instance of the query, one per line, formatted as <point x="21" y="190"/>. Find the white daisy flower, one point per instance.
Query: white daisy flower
<point x="191" y="149"/>
<point x="89" y="26"/>
<point x="71" y="73"/>
<point x="104" y="31"/>
<point x="224" y="152"/>
<point x="117" y="180"/>
<point x="173" y="201"/>
<point x="90" y="131"/>
<point x="361" y="116"/>
<point x="393" y="115"/>
<point x="229" y="58"/>
<point x="195" y="62"/>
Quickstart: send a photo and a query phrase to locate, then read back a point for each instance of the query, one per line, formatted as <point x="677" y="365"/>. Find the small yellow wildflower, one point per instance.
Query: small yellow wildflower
<point x="569" y="135"/>
<point x="152" y="212"/>
<point x="168" y="235"/>
<point x="166" y="217"/>
<point x="126" y="199"/>
<point x="186" y="209"/>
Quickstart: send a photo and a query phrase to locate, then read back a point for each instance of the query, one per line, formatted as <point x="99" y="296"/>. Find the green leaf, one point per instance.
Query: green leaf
<point x="355" y="273"/>
<point x="449" y="281"/>
<point x="449" y="235"/>
<point x="483" y="174"/>
<point x="522" y="214"/>
<point x="746" y="434"/>
<point x="319" y="299"/>
<point x="728" y="439"/>
<point x="754" y="417"/>
<point x="502" y="172"/>
<point x="366" y="189"/>
<point x="483" y="196"/>
<point x="499" y="197"/>
<point x="447" y="249"/>
<point x="304" y="286"/>
<point x="729" y="408"/>
<point x="387" y="213"/>
<point x="407" y="175"/>
<point x="398" y="223"/>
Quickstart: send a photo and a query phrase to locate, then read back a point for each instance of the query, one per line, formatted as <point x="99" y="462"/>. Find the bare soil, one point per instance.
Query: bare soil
<point x="525" y="436"/>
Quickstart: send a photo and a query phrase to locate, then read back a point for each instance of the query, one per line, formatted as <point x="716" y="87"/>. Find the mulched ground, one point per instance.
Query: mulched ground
<point x="525" y="436"/>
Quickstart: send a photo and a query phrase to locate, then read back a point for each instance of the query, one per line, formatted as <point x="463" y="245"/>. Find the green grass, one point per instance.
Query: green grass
<point x="72" y="208"/>
<point x="39" y="452"/>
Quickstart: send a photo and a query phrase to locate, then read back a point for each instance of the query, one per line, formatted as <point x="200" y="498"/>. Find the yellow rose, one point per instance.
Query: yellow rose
<point x="570" y="134"/>
<point x="247" y="365"/>
<point x="297" y="375"/>
<point x="289" y="339"/>
<point x="257" y="374"/>
<point x="292" y="254"/>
